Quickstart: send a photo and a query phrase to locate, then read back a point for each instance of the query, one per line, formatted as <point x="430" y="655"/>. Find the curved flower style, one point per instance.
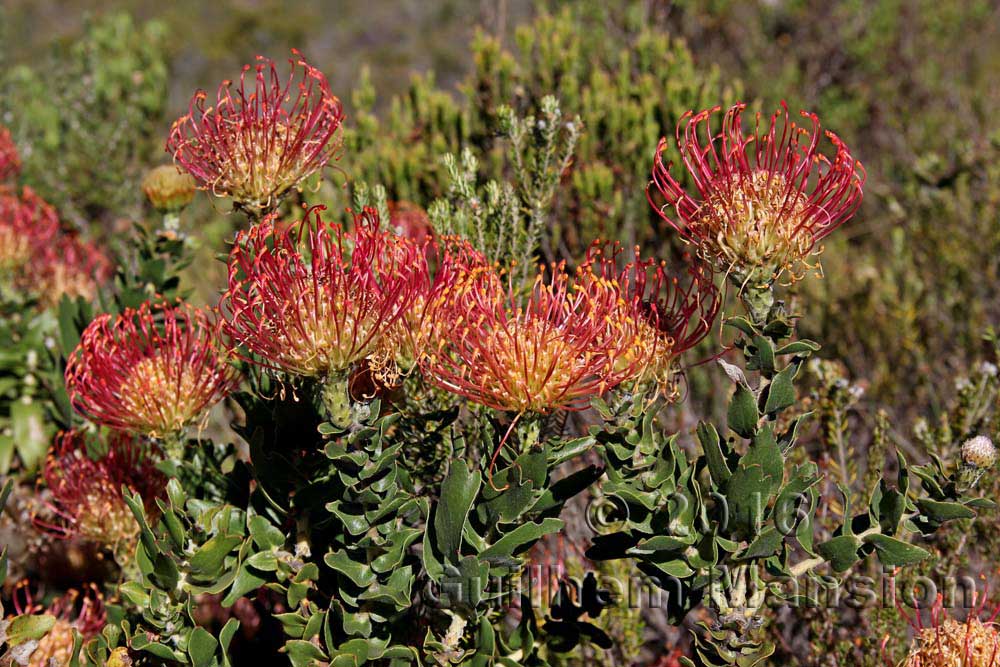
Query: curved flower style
<point x="665" y="315"/>
<point x="75" y="611"/>
<point x="306" y="305"/>
<point x="10" y="160"/>
<point x="256" y="144"/>
<point x="86" y="493"/>
<point x="765" y="199"/>
<point x="152" y="370"/>
<point x="549" y="352"/>
<point x="27" y="224"/>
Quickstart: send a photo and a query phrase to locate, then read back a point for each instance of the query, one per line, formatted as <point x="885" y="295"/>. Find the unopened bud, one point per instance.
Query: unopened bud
<point x="979" y="452"/>
<point x="168" y="189"/>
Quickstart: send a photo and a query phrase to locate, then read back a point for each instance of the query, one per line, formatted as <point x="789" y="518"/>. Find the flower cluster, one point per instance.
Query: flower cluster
<point x="85" y="488"/>
<point x="311" y="299"/>
<point x="257" y="143"/>
<point x="765" y="199"/>
<point x="152" y="370"/>
<point x="39" y="258"/>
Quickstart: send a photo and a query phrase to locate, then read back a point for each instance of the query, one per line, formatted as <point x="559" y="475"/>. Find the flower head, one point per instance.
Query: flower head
<point x="663" y="315"/>
<point x="261" y="140"/>
<point x="152" y="370"/>
<point x="979" y="452"/>
<point x="546" y="352"/>
<point x="168" y="189"/>
<point x="86" y="488"/>
<point x="75" y="611"/>
<point x="10" y="161"/>
<point x="765" y="199"/>
<point x="312" y="299"/>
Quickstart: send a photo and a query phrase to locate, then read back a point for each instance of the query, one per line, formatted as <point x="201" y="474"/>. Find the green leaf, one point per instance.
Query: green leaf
<point x="841" y="551"/>
<point x="942" y="511"/>
<point x="209" y="558"/>
<point x="765" y="545"/>
<point x="458" y="491"/>
<point x="764" y="356"/>
<point x="31" y="436"/>
<point x="894" y="553"/>
<point x="781" y="391"/>
<point x="201" y="647"/>
<point x="264" y="535"/>
<point x="802" y="347"/>
<point x="5" y="493"/>
<point x="357" y="572"/>
<point x="244" y="582"/>
<point x="28" y="628"/>
<point x="303" y="653"/>
<point x="524" y="534"/>
<point x="718" y="468"/>
<point x="743" y="415"/>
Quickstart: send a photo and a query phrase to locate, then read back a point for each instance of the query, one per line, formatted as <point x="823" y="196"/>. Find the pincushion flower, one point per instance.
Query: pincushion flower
<point x="664" y="314"/>
<point x="75" y="612"/>
<point x="10" y="160"/>
<point x="27" y="224"/>
<point x="313" y="300"/>
<point x="86" y="491"/>
<point x="258" y="142"/>
<point x="764" y="198"/>
<point x="947" y="642"/>
<point x="38" y="258"/>
<point x="152" y="370"/>
<point x="547" y="352"/>
<point x="69" y="266"/>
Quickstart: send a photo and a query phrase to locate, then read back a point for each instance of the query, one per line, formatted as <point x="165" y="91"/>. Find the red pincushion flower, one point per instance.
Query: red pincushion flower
<point x="410" y="221"/>
<point x="302" y="301"/>
<point x="10" y="161"/>
<point x="256" y="144"/>
<point x="152" y="370"/>
<point x="75" y="611"/>
<point x="549" y="351"/>
<point x="665" y="315"/>
<point x="39" y="258"/>
<point x="764" y="198"/>
<point x="86" y="491"/>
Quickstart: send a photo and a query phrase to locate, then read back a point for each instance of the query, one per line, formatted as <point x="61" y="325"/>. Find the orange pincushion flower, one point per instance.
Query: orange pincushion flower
<point x="152" y="370"/>
<point x="10" y="161"/>
<point x="664" y="315"/>
<point x="765" y="199"/>
<point x="256" y="144"/>
<point x="301" y="300"/>
<point x="86" y="491"/>
<point x="546" y="352"/>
